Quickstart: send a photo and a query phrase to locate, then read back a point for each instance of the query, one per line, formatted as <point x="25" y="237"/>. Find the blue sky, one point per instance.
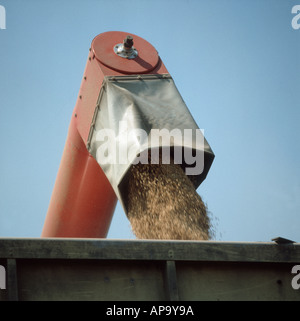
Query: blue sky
<point x="236" y="64"/>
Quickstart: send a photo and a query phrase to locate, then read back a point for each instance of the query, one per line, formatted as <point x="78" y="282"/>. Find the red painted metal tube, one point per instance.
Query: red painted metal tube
<point x="83" y="201"/>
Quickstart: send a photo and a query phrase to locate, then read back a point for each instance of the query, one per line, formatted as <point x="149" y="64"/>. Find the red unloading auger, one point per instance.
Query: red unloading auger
<point x="85" y="194"/>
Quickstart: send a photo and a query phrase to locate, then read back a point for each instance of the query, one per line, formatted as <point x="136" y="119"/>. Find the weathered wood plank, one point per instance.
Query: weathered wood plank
<point x="171" y="281"/>
<point x="12" y="280"/>
<point x="66" y="248"/>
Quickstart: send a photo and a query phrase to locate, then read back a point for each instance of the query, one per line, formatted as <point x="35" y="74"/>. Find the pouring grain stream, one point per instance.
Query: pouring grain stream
<point x="163" y="204"/>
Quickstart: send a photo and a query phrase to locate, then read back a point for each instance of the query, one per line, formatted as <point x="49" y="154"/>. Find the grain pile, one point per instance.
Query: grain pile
<point x="163" y="204"/>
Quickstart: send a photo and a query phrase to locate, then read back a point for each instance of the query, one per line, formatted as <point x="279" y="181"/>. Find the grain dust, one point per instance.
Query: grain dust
<point x="163" y="204"/>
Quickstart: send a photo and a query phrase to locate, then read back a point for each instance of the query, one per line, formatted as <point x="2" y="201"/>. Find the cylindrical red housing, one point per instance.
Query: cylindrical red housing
<point x="83" y="201"/>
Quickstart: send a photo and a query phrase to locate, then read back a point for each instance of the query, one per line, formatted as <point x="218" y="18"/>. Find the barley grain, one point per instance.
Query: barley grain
<point x="163" y="204"/>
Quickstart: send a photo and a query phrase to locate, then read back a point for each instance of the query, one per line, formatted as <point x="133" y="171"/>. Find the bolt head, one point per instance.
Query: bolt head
<point x="128" y="42"/>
